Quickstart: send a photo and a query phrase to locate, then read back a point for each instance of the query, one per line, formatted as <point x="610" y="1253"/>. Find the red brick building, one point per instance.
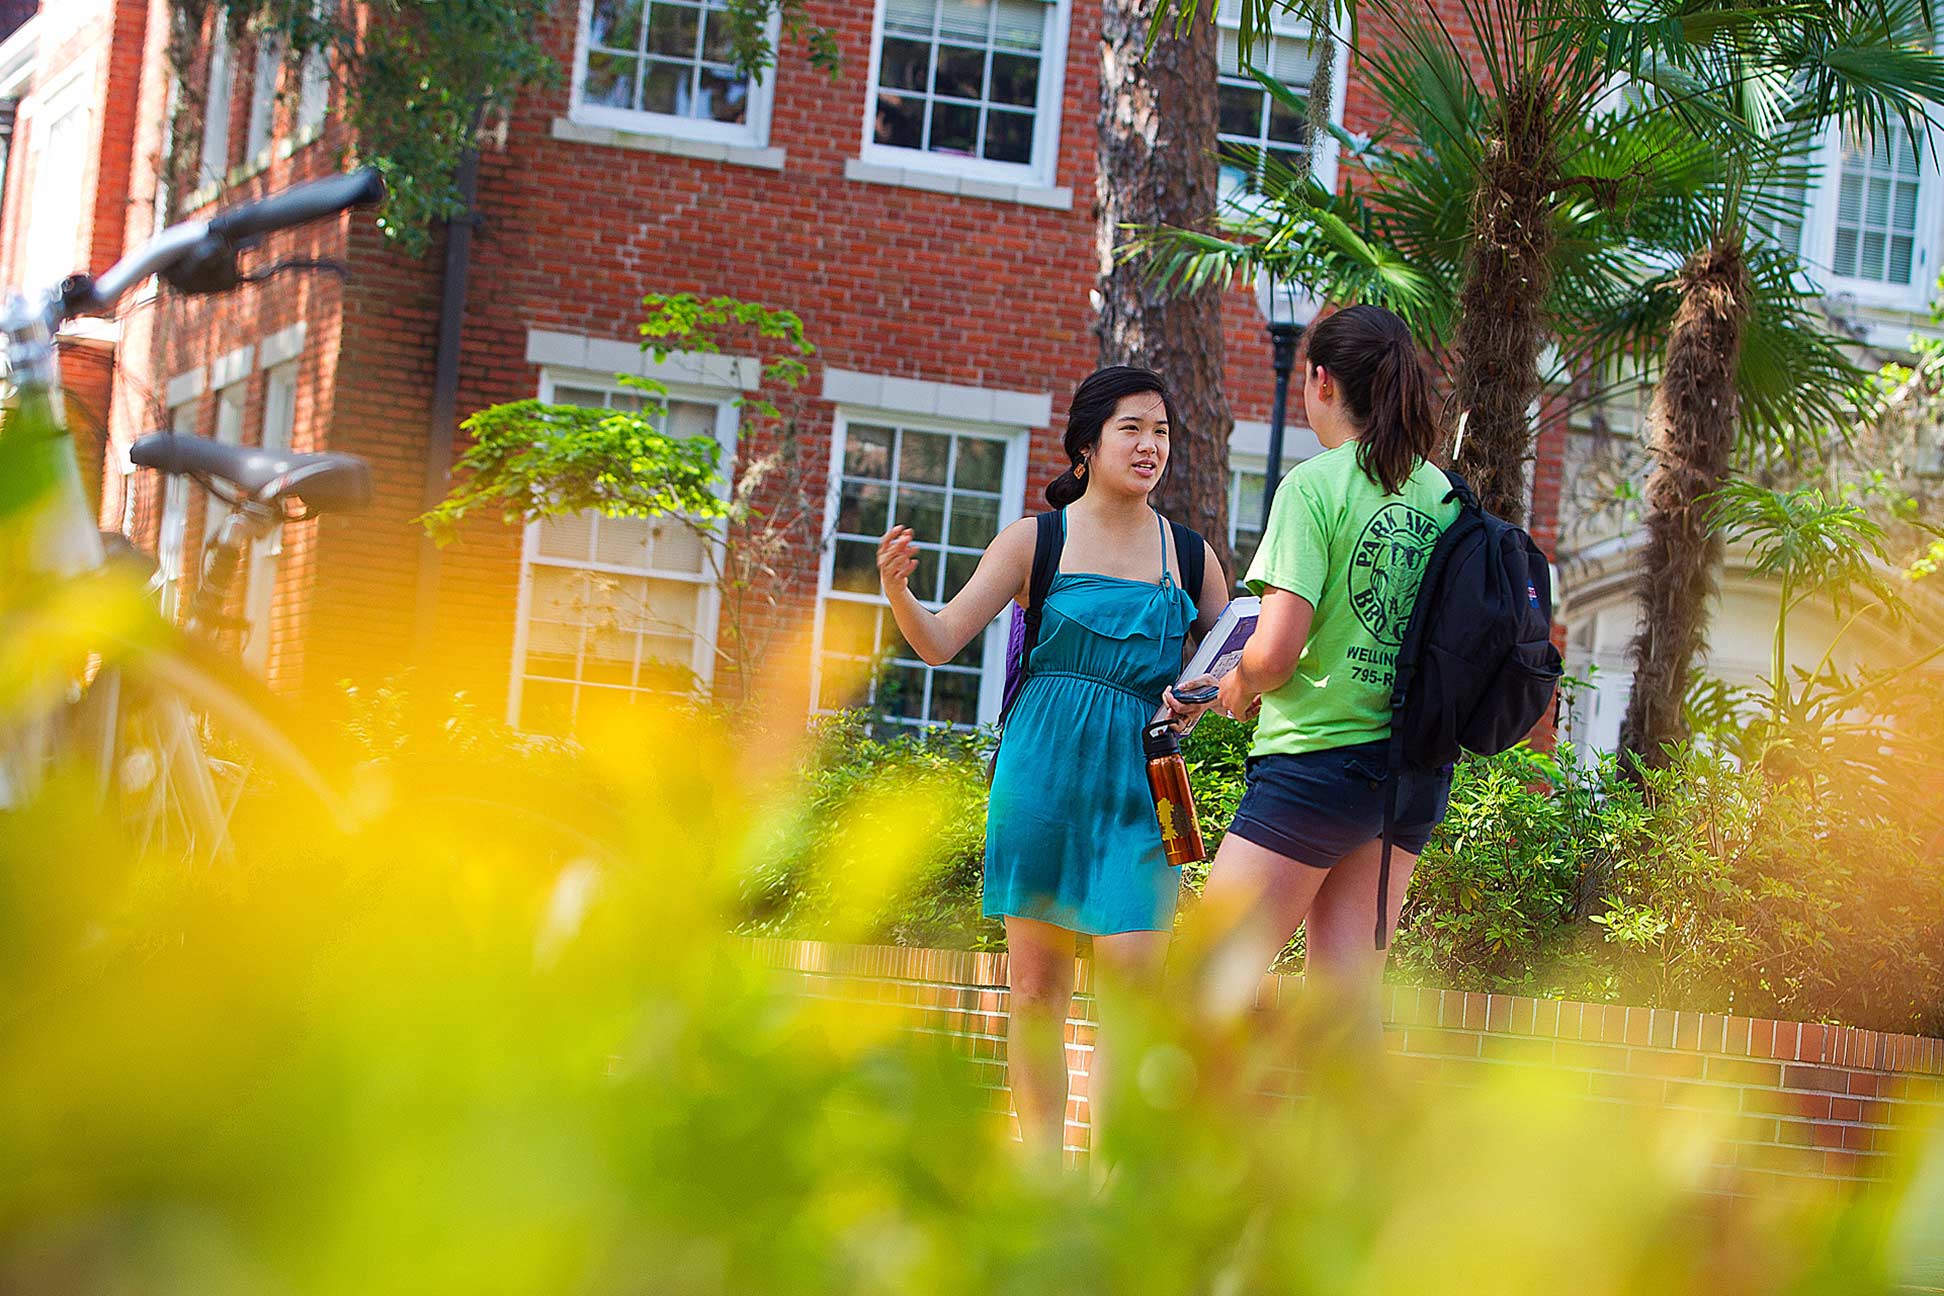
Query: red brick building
<point x="929" y="214"/>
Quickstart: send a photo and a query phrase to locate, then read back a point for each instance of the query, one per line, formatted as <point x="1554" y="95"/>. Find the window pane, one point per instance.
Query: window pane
<point x="610" y="81"/>
<point x="864" y="508"/>
<point x="923" y="456"/>
<point x="1287" y="126"/>
<point x="1843" y="259"/>
<point x="923" y="511"/>
<point x="981" y="464"/>
<point x="901" y="691"/>
<point x="964" y="20"/>
<point x="665" y="88"/>
<point x="850" y="628"/>
<point x="1009" y="136"/>
<point x="615" y="24"/>
<point x="854" y="567"/>
<point x="622" y="542"/>
<point x="958" y="570"/>
<point x="954" y="698"/>
<point x="900" y="122"/>
<point x="675" y="546"/>
<point x="1869" y="261"/>
<point x="1020" y="24"/>
<point x="1239" y="110"/>
<point x="1878" y="210"/>
<point x="585" y="397"/>
<point x="954" y="128"/>
<point x="961" y="72"/>
<point x="672" y="29"/>
<point x="867" y="452"/>
<point x="905" y="65"/>
<point x="1899" y="268"/>
<point x="925" y="581"/>
<point x="722" y="96"/>
<point x="1015" y="80"/>
<point x="567" y="537"/>
<point x="718" y="39"/>
<point x="910" y="16"/>
<point x="975" y="521"/>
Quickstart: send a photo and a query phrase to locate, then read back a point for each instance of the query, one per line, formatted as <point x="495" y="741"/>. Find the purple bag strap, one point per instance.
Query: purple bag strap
<point x="1023" y="635"/>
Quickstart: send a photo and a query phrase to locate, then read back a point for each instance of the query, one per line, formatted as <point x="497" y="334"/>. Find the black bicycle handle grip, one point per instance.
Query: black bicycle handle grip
<point x="299" y="205"/>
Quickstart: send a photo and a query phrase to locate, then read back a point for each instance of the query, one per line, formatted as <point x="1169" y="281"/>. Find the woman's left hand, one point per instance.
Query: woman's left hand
<point x="1185" y="714"/>
<point x="1235" y="700"/>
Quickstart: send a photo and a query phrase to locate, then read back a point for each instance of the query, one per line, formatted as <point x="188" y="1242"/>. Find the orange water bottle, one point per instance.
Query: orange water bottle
<point x="1174" y="803"/>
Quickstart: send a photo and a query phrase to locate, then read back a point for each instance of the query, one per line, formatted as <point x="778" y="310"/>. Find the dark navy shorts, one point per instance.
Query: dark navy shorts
<point x="1319" y="806"/>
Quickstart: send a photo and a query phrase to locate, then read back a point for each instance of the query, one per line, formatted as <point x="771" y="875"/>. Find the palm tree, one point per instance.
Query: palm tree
<point x="1861" y="62"/>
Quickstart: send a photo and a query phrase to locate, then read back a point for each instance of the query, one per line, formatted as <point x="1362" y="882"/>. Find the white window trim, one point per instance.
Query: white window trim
<point x="1021" y="178"/>
<point x="70" y="94"/>
<point x="752" y="133"/>
<point x="171" y="551"/>
<point x="214" y="153"/>
<point x="1325" y="149"/>
<point x="708" y="610"/>
<point x="260" y="594"/>
<point x="992" y="668"/>
<point x="1249" y="453"/>
<point x="260" y="131"/>
<point x="1818" y="241"/>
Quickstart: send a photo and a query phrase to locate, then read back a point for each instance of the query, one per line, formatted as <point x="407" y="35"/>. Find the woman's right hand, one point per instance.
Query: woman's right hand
<point x="897" y="558"/>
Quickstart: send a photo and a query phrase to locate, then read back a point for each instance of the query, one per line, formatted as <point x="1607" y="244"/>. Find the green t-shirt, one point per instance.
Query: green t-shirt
<point x="1357" y="555"/>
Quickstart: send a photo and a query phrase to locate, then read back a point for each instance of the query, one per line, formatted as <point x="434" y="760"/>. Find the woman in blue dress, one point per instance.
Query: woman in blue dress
<point x="1072" y="845"/>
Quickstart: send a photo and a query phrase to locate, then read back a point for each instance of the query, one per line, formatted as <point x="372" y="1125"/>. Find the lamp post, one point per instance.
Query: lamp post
<point x="1289" y="310"/>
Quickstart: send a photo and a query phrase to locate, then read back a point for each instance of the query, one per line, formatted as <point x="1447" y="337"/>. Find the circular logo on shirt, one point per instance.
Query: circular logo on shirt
<point x="1387" y="565"/>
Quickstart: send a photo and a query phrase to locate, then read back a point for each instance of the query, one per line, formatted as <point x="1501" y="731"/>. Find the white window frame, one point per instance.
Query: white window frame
<point x="1039" y="173"/>
<point x="172" y="532"/>
<point x="279" y="426"/>
<point x="752" y="132"/>
<point x="1325" y="149"/>
<point x="1818" y="239"/>
<point x="58" y="214"/>
<point x="708" y="603"/>
<point x="229" y="431"/>
<point x="260" y="131"/>
<point x="217" y="89"/>
<point x="1012" y="486"/>
<point x="1249" y="453"/>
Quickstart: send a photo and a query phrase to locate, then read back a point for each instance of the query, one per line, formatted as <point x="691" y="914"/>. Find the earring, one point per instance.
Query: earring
<point x="1080" y="469"/>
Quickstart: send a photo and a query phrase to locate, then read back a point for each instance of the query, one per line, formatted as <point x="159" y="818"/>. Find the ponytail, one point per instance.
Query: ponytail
<point x="1093" y="404"/>
<point x="1066" y="488"/>
<point x="1375" y="360"/>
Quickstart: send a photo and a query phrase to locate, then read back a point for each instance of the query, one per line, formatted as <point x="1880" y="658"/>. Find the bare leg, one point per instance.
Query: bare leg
<point x="1343" y="960"/>
<point x="1040" y="957"/>
<point x="1253" y="903"/>
<point x="1126" y="963"/>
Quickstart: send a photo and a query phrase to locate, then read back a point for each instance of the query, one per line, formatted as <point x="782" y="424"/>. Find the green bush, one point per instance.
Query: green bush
<point x="1711" y="888"/>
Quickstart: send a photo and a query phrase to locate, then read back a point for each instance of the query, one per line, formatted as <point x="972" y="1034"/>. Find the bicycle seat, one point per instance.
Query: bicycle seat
<point x="322" y="482"/>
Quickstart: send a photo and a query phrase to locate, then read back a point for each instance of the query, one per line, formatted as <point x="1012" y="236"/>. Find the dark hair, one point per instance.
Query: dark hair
<point x="1093" y="404"/>
<point x="1374" y="359"/>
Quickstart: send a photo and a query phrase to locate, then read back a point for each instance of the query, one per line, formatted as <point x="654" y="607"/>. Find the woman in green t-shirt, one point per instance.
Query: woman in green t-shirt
<point x="1338" y="570"/>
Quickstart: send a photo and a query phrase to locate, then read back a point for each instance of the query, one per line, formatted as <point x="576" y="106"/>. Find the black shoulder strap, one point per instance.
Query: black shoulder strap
<point x="1048" y="541"/>
<point x="1192" y="553"/>
<point x="1461" y="489"/>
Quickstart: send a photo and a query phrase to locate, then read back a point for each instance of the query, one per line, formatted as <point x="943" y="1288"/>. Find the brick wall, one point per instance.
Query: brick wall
<point x="889" y="280"/>
<point x="1809" y="1101"/>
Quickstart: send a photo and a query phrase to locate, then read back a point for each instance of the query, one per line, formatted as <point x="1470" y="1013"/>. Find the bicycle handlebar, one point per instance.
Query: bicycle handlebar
<point x="180" y="244"/>
<point x="300" y="205"/>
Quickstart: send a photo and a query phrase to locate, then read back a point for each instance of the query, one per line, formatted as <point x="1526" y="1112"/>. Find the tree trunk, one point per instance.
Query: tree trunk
<point x="1693" y="424"/>
<point x="1156" y="166"/>
<point x="1501" y="323"/>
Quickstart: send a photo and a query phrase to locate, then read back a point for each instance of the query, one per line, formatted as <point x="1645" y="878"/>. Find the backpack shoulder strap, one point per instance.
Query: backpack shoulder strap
<point x="1048" y="540"/>
<point x="1461" y="490"/>
<point x="1191" y="554"/>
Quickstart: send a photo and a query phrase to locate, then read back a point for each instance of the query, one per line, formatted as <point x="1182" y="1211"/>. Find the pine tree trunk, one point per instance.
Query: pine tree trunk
<point x="1156" y="166"/>
<point x="1501" y="323"/>
<point x="1693" y="424"/>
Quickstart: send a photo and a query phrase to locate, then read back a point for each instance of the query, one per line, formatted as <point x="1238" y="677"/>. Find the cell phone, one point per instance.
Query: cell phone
<point x="1197" y="696"/>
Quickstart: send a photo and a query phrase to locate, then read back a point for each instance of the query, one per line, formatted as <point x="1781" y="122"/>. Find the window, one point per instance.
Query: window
<point x="972" y="83"/>
<point x="615" y="607"/>
<point x="313" y="93"/>
<point x="951" y="489"/>
<point x="279" y="419"/>
<point x="1245" y="515"/>
<point x="216" y="105"/>
<point x="263" y="100"/>
<point x="57" y="183"/>
<point x="1876" y="209"/>
<point x="170" y="541"/>
<point x="1252" y="125"/>
<point x="229" y="431"/>
<point x="665" y="66"/>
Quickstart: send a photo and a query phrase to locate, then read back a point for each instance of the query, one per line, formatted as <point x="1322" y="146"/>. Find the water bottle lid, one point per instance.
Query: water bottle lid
<point x="1160" y="739"/>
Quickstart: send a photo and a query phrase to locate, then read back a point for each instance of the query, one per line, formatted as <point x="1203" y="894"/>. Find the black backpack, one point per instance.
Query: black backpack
<point x="1477" y="668"/>
<point x="1048" y="542"/>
